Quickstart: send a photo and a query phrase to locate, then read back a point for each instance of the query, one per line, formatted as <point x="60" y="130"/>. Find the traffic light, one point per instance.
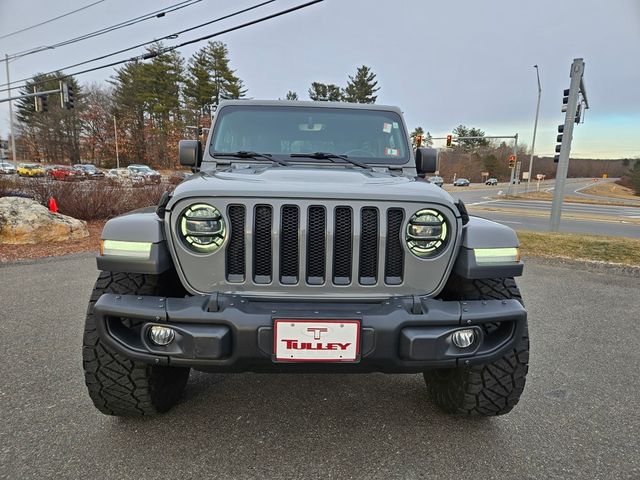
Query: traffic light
<point x="512" y="161"/>
<point x="556" y="158"/>
<point x="41" y="104"/>
<point x="71" y="103"/>
<point x="418" y="141"/>
<point x="67" y="96"/>
<point x="449" y="139"/>
<point x="565" y="99"/>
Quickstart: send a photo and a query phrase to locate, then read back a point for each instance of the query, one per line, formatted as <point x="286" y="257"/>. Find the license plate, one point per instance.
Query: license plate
<point x="316" y="340"/>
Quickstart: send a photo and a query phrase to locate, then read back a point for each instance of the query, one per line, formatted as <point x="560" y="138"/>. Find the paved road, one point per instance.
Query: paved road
<point x="577" y="419"/>
<point x="540" y="223"/>
<point x="475" y="194"/>
<point x="609" y="220"/>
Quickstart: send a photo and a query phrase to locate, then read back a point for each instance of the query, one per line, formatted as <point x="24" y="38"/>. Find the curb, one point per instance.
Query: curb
<point x="588" y="265"/>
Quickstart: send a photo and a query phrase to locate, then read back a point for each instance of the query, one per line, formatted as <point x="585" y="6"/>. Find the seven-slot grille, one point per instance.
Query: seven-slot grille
<point x="315" y="245"/>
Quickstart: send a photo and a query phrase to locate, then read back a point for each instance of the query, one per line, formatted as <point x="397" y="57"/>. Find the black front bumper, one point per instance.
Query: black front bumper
<point x="232" y="333"/>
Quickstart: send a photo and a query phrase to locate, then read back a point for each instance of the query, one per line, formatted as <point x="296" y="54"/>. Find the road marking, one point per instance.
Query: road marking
<point x="486" y="201"/>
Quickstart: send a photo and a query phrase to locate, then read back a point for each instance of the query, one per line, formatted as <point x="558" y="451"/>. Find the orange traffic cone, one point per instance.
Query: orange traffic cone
<point x="53" y="206"/>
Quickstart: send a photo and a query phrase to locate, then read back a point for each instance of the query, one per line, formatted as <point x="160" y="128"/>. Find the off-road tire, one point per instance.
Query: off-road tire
<point x="117" y="385"/>
<point x="489" y="389"/>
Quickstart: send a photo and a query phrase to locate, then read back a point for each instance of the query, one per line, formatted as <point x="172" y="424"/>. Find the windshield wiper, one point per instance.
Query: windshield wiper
<point x="245" y="154"/>
<point x="331" y="156"/>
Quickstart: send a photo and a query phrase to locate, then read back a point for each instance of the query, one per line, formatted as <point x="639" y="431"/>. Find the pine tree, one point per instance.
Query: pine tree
<point x="210" y="79"/>
<point x="129" y="110"/>
<point x="428" y="140"/>
<point x="471" y="143"/>
<point x="199" y="90"/>
<point x="322" y="92"/>
<point x="54" y="135"/>
<point x="361" y="88"/>
<point x="291" y="95"/>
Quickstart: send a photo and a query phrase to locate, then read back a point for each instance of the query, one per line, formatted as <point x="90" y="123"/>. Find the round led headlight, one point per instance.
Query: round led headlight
<point x="426" y="233"/>
<point x="202" y="228"/>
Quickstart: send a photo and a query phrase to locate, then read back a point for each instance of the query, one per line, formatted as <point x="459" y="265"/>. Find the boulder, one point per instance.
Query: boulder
<point x="23" y="220"/>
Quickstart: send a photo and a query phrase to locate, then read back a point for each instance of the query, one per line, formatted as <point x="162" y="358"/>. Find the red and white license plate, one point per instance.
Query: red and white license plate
<point x="316" y="340"/>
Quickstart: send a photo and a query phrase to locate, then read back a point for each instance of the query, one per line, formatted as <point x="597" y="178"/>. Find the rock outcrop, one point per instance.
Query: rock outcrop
<point x="23" y="220"/>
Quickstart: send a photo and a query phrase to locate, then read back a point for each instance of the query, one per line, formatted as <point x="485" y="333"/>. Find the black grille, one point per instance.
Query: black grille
<point x="316" y="245"/>
<point x="255" y="244"/>
<point x="394" y="260"/>
<point x="342" y="249"/>
<point x="368" y="264"/>
<point x="235" y="248"/>
<point x="289" y="250"/>
<point x="262" y="256"/>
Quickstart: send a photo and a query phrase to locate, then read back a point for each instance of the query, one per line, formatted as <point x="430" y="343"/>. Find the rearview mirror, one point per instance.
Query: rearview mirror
<point x="426" y="161"/>
<point x="190" y="153"/>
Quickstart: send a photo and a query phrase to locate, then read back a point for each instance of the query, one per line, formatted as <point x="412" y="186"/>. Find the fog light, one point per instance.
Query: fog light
<point x="161" y="335"/>
<point x="463" y="338"/>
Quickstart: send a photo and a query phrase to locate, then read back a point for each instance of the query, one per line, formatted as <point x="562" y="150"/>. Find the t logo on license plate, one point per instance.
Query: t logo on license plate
<point x="316" y="340"/>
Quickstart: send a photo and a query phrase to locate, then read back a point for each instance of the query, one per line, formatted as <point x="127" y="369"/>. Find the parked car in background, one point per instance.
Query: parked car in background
<point x="66" y="173"/>
<point x="177" y="177"/>
<point x="90" y="171"/>
<point x="491" y="181"/>
<point x="124" y="176"/>
<point x="7" y="168"/>
<point x="30" y="170"/>
<point x="149" y="174"/>
<point x="436" y="180"/>
<point x="461" y="182"/>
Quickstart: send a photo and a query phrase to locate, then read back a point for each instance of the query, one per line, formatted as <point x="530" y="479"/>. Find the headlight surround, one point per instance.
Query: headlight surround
<point x="202" y="228"/>
<point x="427" y="233"/>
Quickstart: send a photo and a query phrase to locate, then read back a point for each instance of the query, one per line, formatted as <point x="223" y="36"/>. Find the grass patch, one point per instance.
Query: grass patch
<point x="580" y="247"/>
<point x="611" y="189"/>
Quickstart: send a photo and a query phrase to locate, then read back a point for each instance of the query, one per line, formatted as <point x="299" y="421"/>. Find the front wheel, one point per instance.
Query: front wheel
<point x="489" y="389"/>
<point x="117" y="385"/>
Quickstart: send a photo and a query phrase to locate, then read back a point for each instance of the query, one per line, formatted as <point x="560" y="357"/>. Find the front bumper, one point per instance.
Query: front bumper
<point x="231" y="333"/>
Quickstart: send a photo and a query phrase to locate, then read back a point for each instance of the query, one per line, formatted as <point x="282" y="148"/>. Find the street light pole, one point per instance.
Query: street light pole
<point x="535" y="129"/>
<point x="13" y="137"/>
<point x="115" y="131"/>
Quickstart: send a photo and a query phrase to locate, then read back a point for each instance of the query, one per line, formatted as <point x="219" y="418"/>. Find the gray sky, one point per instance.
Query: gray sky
<point x="444" y="63"/>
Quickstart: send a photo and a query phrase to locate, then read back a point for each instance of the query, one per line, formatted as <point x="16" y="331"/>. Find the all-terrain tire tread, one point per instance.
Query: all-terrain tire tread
<point x="490" y="389"/>
<point x="116" y="384"/>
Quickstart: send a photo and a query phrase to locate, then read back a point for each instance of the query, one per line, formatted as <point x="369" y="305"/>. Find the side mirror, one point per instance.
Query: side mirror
<point x="426" y="161"/>
<point x="190" y="153"/>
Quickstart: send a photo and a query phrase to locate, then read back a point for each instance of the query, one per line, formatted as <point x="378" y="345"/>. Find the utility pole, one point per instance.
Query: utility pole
<point x="535" y="129"/>
<point x="115" y="131"/>
<point x="572" y="116"/>
<point x="13" y="137"/>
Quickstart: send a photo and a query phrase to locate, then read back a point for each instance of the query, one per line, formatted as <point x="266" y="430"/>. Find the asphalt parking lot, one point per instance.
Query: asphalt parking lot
<point x="577" y="418"/>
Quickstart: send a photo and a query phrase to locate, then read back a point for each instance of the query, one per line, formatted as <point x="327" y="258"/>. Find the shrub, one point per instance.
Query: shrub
<point x="88" y="200"/>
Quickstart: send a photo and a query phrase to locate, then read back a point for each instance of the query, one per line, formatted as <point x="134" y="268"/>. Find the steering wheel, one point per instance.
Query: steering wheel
<point x="361" y="150"/>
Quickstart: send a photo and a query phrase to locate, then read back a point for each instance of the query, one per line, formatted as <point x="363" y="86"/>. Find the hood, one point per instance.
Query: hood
<point x="309" y="182"/>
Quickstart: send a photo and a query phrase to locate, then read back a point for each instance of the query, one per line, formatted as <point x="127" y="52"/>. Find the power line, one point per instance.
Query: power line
<point x="127" y="23"/>
<point x="50" y="20"/>
<point x="149" y="55"/>
<point x="166" y="37"/>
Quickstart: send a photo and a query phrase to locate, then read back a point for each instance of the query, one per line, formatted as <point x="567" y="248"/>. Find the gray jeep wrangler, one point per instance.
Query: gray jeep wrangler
<point x="307" y="242"/>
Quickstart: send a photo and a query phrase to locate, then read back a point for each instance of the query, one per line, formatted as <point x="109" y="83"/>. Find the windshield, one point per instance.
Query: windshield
<point x="371" y="135"/>
<point x="140" y="168"/>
